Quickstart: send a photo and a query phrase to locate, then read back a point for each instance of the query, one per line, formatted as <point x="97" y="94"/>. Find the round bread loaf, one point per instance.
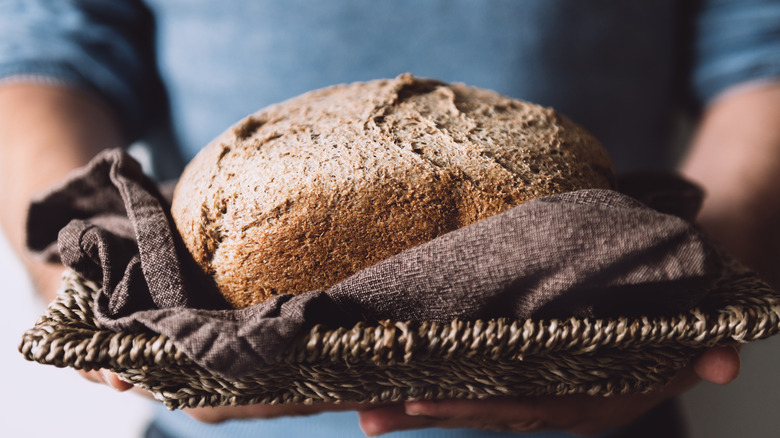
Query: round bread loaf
<point x="302" y="194"/>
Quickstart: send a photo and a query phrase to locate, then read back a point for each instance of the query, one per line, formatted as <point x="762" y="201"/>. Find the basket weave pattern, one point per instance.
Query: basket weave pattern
<point x="394" y="361"/>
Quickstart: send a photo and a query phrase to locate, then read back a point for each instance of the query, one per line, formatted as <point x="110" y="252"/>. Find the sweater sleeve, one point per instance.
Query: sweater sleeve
<point x="102" y="47"/>
<point x="735" y="42"/>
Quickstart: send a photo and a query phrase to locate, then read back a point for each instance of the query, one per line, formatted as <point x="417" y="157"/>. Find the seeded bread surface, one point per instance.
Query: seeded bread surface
<point x="302" y="194"/>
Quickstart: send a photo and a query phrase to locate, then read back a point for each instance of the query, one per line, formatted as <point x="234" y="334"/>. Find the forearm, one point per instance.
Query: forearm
<point x="45" y="132"/>
<point x="735" y="156"/>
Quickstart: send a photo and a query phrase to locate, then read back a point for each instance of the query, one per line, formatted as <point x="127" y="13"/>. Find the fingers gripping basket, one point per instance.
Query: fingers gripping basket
<point x="396" y="360"/>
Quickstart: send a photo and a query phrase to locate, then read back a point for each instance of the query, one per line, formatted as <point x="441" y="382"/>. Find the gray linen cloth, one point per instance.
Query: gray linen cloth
<point x="590" y="253"/>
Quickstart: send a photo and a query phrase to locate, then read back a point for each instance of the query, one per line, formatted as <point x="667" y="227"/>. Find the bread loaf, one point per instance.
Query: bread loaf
<point x="302" y="194"/>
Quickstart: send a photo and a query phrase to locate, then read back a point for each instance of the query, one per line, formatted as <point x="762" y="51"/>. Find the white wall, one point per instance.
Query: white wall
<point x="43" y="401"/>
<point x="749" y="406"/>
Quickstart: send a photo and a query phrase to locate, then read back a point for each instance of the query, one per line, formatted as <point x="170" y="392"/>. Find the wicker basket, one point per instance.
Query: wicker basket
<point x="394" y="361"/>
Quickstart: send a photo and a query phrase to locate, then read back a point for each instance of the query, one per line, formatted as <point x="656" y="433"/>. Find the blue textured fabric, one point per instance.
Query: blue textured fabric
<point x="621" y="69"/>
<point x="96" y="45"/>
<point x="516" y="48"/>
<point x="735" y="41"/>
<point x="611" y="66"/>
<point x="330" y="425"/>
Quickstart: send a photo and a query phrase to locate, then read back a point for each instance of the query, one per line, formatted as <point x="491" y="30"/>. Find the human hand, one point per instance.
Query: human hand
<point x="577" y="414"/>
<point x="219" y="414"/>
<point x="741" y="209"/>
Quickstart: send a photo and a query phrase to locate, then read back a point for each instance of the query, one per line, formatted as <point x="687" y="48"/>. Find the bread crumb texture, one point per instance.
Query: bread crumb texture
<point x="302" y="194"/>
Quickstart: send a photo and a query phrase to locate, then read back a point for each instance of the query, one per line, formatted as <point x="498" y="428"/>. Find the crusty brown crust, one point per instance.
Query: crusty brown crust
<point x="300" y="195"/>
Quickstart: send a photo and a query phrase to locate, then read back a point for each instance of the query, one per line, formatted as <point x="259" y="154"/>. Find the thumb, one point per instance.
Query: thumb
<point x="106" y="377"/>
<point x="719" y="365"/>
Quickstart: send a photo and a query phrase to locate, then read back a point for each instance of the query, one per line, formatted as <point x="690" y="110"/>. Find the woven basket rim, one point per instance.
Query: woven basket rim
<point x="740" y="309"/>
